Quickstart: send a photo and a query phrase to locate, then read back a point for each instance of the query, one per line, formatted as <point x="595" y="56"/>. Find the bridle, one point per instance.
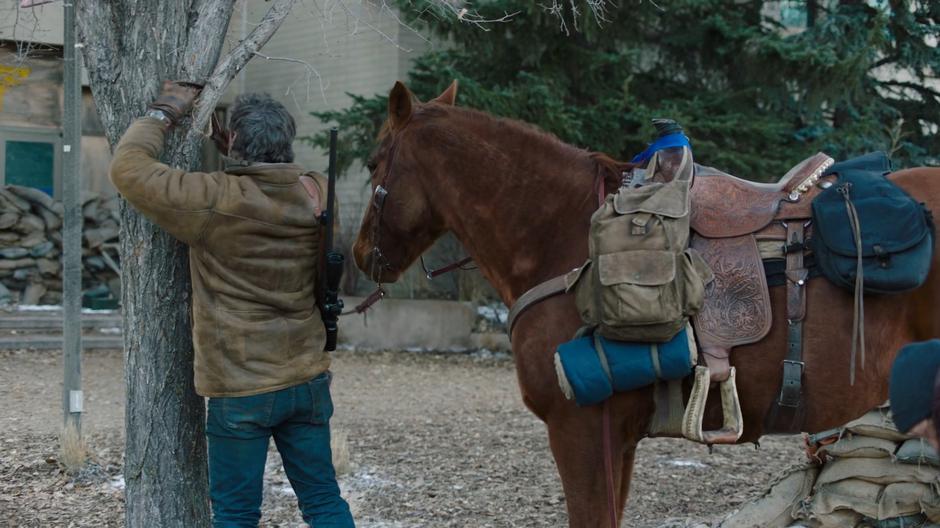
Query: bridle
<point x="380" y="262"/>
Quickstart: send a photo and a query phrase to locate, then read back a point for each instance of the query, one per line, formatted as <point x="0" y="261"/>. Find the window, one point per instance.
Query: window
<point x="30" y="158"/>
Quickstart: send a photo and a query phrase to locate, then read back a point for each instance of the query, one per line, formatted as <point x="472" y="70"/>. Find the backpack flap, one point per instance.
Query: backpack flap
<point x="889" y="224"/>
<point x="671" y="199"/>
<point x="638" y="288"/>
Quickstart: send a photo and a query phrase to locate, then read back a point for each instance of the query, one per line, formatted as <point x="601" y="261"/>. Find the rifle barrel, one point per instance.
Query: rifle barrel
<point x="331" y="191"/>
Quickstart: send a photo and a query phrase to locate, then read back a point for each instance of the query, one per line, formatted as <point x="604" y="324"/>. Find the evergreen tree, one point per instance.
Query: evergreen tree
<point x="758" y="85"/>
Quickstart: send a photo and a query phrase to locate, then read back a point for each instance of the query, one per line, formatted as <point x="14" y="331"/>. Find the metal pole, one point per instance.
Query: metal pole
<point x="72" y="228"/>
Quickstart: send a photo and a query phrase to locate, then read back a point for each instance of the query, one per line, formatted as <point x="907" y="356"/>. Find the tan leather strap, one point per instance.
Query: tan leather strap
<point x="858" y="320"/>
<point x="541" y="292"/>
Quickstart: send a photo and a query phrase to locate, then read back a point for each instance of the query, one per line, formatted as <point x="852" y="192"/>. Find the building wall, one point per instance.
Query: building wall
<point x="32" y="25"/>
<point x="31" y="110"/>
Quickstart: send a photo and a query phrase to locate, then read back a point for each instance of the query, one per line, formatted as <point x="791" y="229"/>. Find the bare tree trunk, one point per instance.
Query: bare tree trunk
<point x="130" y="47"/>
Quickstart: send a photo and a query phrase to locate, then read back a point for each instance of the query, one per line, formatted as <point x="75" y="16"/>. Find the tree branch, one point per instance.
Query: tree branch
<point x="231" y="64"/>
<point x="209" y="19"/>
<point x="920" y="88"/>
<point x="465" y="15"/>
<point x="310" y="71"/>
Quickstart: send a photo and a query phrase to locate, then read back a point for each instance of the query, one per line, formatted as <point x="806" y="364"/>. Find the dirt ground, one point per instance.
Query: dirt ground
<point x="434" y="441"/>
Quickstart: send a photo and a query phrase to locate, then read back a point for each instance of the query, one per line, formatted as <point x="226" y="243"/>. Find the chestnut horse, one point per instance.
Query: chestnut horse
<point x="520" y="200"/>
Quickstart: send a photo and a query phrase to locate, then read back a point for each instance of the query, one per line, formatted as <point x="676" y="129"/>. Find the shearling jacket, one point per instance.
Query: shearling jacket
<point x="254" y="247"/>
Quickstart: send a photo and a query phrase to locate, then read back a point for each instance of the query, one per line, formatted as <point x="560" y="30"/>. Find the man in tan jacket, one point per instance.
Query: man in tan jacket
<point x="253" y="233"/>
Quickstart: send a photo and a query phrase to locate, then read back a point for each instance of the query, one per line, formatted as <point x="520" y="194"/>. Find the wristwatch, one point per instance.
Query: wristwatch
<point x="159" y="115"/>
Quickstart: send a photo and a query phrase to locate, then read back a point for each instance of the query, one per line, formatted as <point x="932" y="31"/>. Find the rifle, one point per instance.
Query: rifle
<point x="331" y="306"/>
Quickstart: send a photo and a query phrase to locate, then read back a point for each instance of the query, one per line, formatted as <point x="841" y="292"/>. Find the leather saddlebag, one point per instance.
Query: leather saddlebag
<point x="866" y="225"/>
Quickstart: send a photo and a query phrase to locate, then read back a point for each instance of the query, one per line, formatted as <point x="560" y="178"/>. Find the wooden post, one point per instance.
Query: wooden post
<point x="72" y="226"/>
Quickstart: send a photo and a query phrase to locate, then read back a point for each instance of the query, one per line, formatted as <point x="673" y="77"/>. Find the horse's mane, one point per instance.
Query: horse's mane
<point x="605" y="164"/>
<point x="472" y="115"/>
<point x="606" y="167"/>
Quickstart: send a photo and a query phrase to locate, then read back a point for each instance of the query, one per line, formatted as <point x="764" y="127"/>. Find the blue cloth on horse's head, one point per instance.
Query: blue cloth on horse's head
<point x="676" y="139"/>
<point x="912" y="383"/>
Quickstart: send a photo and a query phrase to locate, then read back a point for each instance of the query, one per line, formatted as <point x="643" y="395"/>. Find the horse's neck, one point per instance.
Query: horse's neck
<point x="524" y="221"/>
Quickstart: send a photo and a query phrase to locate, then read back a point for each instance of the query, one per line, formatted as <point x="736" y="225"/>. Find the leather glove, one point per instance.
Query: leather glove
<point x="176" y="99"/>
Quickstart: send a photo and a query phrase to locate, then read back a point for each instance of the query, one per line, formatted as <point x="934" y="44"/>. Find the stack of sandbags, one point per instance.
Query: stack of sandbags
<point x="31" y="245"/>
<point x="866" y="474"/>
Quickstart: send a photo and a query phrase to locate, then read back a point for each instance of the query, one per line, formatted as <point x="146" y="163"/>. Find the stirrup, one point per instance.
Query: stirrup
<point x="732" y="428"/>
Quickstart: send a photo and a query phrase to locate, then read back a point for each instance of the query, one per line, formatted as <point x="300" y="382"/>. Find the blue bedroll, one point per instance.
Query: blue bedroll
<point x="631" y="365"/>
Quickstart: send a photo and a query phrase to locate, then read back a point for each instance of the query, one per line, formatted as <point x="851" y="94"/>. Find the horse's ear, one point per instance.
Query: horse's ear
<point x="449" y="96"/>
<point x="400" y="105"/>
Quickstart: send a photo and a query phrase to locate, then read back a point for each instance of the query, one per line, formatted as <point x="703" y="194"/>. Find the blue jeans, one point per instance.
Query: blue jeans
<point x="239" y="429"/>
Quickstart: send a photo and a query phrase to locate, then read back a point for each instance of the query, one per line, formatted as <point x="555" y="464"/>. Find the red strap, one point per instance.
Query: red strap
<point x="601" y="188"/>
<point x="313" y="190"/>
<point x="449" y="268"/>
<point x="609" y="465"/>
<point x="368" y="302"/>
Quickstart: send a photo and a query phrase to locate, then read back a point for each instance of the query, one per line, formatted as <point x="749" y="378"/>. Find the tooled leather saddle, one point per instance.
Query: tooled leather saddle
<point x="737" y="223"/>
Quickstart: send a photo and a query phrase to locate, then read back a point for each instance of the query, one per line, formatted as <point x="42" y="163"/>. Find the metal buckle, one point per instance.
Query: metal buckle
<point x="801" y="364"/>
<point x="378" y="197"/>
<point x="792" y="383"/>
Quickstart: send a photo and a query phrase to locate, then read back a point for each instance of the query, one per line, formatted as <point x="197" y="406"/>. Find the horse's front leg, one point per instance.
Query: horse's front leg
<point x="576" y="436"/>
<point x="626" y="470"/>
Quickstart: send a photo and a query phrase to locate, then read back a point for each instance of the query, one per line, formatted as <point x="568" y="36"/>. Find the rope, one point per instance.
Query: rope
<point x="858" y="321"/>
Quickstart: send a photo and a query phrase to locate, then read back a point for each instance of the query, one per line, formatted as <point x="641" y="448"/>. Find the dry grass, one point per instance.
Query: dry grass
<point x="340" y="446"/>
<point x="73" y="452"/>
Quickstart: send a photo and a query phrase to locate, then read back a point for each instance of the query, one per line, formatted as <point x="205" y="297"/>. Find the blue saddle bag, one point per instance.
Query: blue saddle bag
<point x="897" y="232"/>
<point x="591" y="368"/>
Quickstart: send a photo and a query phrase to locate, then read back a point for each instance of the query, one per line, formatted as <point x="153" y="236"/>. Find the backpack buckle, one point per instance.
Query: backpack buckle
<point x="640" y="224"/>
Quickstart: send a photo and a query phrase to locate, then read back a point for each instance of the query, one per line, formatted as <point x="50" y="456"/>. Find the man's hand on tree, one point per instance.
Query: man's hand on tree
<point x="176" y="100"/>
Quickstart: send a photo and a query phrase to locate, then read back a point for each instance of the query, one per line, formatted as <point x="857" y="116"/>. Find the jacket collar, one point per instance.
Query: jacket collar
<point x="267" y="172"/>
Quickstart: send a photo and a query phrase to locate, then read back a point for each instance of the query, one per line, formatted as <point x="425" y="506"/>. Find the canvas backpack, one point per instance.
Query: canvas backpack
<point x="642" y="282"/>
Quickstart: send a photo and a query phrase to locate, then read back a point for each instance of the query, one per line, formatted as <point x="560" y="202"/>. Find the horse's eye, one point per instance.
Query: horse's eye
<point x="371" y="165"/>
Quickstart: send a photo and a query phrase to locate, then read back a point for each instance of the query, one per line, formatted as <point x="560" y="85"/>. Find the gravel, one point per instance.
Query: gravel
<point x="433" y="440"/>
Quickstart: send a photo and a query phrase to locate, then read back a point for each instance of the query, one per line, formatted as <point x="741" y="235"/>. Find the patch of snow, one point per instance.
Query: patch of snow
<point x="38" y="308"/>
<point x="284" y="489"/>
<point x="494" y="312"/>
<point x="57" y="308"/>
<point x="365" y="480"/>
<point x="680" y="462"/>
<point x="116" y="483"/>
<point x="485" y="353"/>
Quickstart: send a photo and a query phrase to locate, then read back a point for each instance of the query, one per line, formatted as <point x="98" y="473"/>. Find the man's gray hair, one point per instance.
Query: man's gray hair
<point x="264" y="130"/>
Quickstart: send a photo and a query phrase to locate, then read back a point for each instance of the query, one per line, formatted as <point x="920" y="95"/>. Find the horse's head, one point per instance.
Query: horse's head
<point x="401" y="223"/>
